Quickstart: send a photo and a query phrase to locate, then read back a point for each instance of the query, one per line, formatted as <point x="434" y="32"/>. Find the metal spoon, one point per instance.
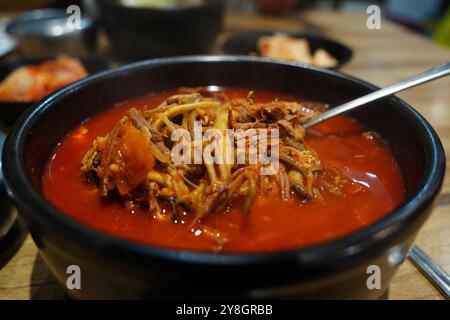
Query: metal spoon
<point x="435" y="274"/>
<point x="423" y="77"/>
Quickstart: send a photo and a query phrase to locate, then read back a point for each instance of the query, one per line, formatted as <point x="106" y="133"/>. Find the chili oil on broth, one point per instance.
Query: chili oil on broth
<point x="375" y="188"/>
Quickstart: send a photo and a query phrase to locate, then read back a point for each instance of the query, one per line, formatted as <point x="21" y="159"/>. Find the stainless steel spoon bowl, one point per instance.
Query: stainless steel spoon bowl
<point x="43" y="33"/>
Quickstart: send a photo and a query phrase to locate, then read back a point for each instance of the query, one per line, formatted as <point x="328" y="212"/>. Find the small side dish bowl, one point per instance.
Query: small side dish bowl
<point x="7" y="215"/>
<point x="246" y="43"/>
<point x="44" y="32"/>
<point x="144" y="32"/>
<point x="116" y="268"/>
<point x="11" y="110"/>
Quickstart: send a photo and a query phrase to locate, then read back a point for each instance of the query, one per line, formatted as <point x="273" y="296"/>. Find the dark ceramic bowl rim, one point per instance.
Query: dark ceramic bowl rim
<point x="32" y="203"/>
<point x="295" y="34"/>
<point x="168" y="10"/>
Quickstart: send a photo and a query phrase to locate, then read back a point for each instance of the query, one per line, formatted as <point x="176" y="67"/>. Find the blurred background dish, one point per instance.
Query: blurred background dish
<point x="144" y="31"/>
<point x="11" y="110"/>
<point x="42" y="33"/>
<point x="12" y="229"/>
<point x="7" y="216"/>
<point x="246" y="43"/>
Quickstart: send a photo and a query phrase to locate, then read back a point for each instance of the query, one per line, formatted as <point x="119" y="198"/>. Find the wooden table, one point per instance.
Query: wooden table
<point x="381" y="57"/>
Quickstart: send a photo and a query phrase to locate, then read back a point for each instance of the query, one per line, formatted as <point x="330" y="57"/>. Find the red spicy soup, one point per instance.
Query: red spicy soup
<point x="375" y="188"/>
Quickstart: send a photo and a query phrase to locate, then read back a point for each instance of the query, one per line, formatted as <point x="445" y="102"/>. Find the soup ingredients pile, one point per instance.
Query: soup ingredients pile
<point x="33" y="82"/>
<point x="133" y="161"/>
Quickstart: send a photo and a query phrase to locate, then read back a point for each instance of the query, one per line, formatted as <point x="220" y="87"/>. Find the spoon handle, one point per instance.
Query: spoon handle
<point x="423" y="77"/>
<point x="437" y="276"/>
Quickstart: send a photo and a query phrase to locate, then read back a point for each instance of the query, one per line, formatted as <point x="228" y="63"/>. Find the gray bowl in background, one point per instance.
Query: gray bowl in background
<point x="43" y="33"/>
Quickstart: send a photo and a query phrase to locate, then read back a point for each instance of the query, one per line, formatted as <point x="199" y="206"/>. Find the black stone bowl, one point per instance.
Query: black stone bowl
<point x="138" y="33"/>
<point x="246" y="43"/>
<point x="116" y="268"/>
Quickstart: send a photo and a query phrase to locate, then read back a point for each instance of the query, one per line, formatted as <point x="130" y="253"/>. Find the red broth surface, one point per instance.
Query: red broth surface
<point x="376" y="189"/>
